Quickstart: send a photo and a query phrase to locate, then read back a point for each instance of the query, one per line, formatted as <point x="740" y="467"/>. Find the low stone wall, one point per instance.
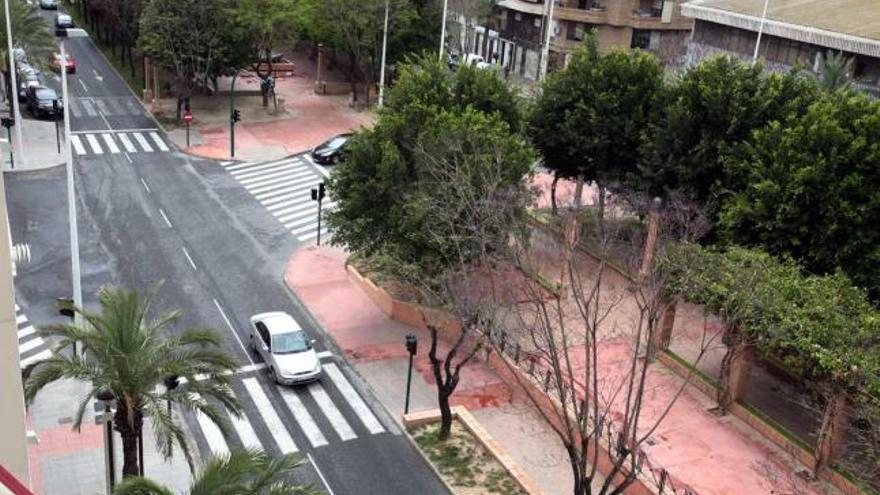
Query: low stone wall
<point x="421" y="418"/>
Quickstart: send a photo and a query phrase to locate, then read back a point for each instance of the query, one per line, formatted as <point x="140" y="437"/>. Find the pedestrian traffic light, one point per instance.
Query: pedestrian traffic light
<point x="236" y="115"/>
<point x="318" y="193"/>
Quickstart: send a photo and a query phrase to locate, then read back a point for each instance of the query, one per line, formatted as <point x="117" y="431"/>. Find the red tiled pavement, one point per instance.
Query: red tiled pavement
<point x="59" y="441"/>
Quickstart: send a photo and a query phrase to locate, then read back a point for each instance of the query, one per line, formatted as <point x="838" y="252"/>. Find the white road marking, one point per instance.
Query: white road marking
<point x="102" y="107"/>
<point x="36" y="357"/>
<point x="257" y="169"/>
<point x="313" y="234"/>
<point x="268" y="176"/>
<point x="110" y="143"/>
<point x="189" y="258"/>
<point x="128" y="158"/>
<point x="77" y="145"/>
<point x="353" y="398"/>
<point x="291" y="182"/>
<point x="234" y="333"/>
<point x="143" y="142"/>
<point x="83" y="86"/>
<point x="165" y="217"/>
<point x="283" y="205"/>
<point x="270" y="417"/>
<point x="95" y="145"/>
<point x="245" y="432"/>
<point x="19" y="319"/>
<point x="30" y="345"/>
<point x="146" y="186"/>
<point x="126" y="143"/>
<point x="337" y="420"/>
<point x="28" y="330"/>
<point x="159" y="142"/>
<point x="302" y="416"/>
<point x="73" y="109"/>
<point x="213" y="435"/>
<point x="320" y="474"/>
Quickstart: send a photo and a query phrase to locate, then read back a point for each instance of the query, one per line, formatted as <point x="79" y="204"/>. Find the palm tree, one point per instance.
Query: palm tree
<point x="30" y="32"/>
<point x="242" y="472"/>
<point x="130" y="354"/>
<point x="833" y="71"/>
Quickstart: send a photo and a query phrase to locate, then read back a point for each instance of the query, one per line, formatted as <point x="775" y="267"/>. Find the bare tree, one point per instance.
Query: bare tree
<point x="586" y="346"/>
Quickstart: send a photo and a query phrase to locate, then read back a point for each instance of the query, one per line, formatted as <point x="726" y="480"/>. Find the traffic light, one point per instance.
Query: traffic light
<point x="319" y="193"/>
<point x="236" y="115"/>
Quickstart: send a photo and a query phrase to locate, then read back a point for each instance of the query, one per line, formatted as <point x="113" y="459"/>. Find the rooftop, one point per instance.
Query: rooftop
<point x="850" y="25"/>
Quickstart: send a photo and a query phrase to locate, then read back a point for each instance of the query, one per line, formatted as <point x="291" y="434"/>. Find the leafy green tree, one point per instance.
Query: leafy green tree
<point x="30" y="32"/>
<point x="186" y="38"/>
<point x="834" y="71"/>
<point x="710" y="110"/>
<point x="242" y="472"/>
<point x="588" y="120"/>
<point x="375" y="184"/>
<point x="130" y="353"/>
<point x="814" y="189"/>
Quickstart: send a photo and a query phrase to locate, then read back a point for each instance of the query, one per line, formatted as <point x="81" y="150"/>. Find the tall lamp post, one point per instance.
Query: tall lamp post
<point x="412" y="346"/>
<point x="384" y="45"/>
<point x="234" y="116"/>
<point x="71" y="192"/>
<point x="760" y="31"/>
<point x="104" y="409"/>
<point x="545" y="50"/>
<point x="443" y="29"/>
<point x="16" y="113"/>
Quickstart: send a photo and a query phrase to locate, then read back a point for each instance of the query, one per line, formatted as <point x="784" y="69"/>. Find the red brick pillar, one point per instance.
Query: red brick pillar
<point x="832" y="435"/>
<point x="735" y="369"/>
<point x="663" y="333"/>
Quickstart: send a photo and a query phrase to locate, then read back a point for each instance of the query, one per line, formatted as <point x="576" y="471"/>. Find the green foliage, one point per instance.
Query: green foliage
<point x="129" y="352"/>
<point x="241" y="472"/>
<point x="710" y="110"/>
<point x="814" y="189"/>
<point x="261" y="26"/>
<point x="834" y="71"/>
<point x="589" y="117"/>
<point x="418" y="186"/>
<point x="821" y="326"/>
<point x="30" y="32"/>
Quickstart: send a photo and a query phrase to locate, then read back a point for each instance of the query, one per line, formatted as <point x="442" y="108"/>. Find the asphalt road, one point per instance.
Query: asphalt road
<point x="149" y="213"/>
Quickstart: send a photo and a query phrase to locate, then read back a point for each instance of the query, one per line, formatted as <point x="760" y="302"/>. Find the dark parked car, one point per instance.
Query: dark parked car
<point x="331" y="151"/>
<point x="39" y="101"/>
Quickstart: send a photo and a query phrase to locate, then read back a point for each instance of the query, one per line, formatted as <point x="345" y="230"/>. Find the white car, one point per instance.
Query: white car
<point x="288" y="351"/>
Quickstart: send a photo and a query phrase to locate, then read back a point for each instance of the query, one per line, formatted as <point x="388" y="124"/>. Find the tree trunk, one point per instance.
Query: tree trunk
<point x="445" y="413"/>
<point x="553" y="193"/>
<point x="129" y="433"/>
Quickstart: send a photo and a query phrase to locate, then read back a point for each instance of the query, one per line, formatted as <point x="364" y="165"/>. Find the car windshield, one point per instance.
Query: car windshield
<point x="336" y="142"/>
<point x="46" y="94"/>
<point x="63" y="18"/>
<point x="287" y="343"/>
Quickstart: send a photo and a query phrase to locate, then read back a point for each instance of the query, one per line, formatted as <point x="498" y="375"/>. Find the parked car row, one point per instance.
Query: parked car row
<point x="39" y="99"/>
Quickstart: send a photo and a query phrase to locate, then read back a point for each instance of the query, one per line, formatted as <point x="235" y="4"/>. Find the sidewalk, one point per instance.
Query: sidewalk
<point x="39" y="146"/>
<point x="304" y="120"/>
<point x="65" y="462"/>
<point x="374" y="344"/>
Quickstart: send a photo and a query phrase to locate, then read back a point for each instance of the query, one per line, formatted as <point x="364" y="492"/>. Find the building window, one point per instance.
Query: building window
<point x="579" y="32"/>
<point x="537" y="22"/>
<point x="517" y="17"/>
<point x="641" y="38"/>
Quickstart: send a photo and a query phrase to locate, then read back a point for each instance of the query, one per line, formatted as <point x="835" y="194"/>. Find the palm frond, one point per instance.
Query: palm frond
<point x="140" y="486"/>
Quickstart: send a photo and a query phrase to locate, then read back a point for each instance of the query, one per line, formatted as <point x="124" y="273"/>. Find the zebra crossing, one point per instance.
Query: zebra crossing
<point x="115" y="142"/>
<point x="31" y="347"/>
<point x="315" y="415"/>
<point x="107" y="106"/>
<point x="284" y="188"/>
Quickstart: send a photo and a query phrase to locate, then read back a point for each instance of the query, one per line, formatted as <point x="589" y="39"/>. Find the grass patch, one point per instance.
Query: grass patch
<point x="463" y="462"/>
<point x="135" y="82"/>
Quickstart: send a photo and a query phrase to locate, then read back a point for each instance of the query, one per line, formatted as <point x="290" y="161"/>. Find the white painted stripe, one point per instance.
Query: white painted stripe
<point x="263" y="169"/>
<point x="30" y="345"/>
<point x="145" y="185"/>
<point x="19" y="319"/>
<point x="28" y="330"/>
<point x="292" y="182"/>
<point x="36" y="357"/>
<point x="165" y="217"/>
<point x="325" y="237"/>
<point x="270" y="417"/>
<point x="87" y="106"/>
<point x="281" y="207"/>
<point x="319" y="168"/>
<point x="283" y="194"/>
<point x="245" y="432"/>
<point x="95" y="145"/>
<point x="354" y="400"/>
<point x="297" y="224"/>
<point x="159" y="142"/>
<point x="129" y="147"/>
<point x="331" y="412"/>
<point x="189" y="258"/>
<point x="312" y="226"/>
<point x="320" y="474"/>
<point x="256" y="164"/>
<point x="143" y="142"/>
<point x="213" y="435"/>
<point x="17" y="307"/>
<point x="77" y="145"/>
<point x="102" y="107"/>
<point x="232" y="329"/>
<point x="303" y="418"/>
<point x="274" y="173"/>
<point x="110" y="143"/>
<point x="74" y="110"/>
<point x="258" y="182"/>
<point x="304" y="212"/>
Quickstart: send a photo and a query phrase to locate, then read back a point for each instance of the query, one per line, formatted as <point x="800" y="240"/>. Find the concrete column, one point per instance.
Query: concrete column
<point x="832" y="435"/>
<point x="13" y="447"/>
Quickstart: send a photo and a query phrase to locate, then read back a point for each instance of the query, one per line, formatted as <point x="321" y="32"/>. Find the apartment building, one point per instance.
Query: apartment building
<point x="795" y="32"/>
<point x="512" y="36"/>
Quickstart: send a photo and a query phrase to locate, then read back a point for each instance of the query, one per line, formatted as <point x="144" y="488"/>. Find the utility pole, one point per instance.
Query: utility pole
<point x="234" y="116"/>
<point x="16" y="114"/>
<point x="384" y="44"/>
<point x="71" y="196"/>
<point x="545" y="50"/>
<point x="443" y="29"/>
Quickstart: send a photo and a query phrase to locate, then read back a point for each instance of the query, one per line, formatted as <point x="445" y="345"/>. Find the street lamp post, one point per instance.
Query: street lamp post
<point x="443" y="29"/>
<point x="8" y="122"/>
<point x="16" y="113"/>
<point x="71" y="201"/>
<point x="384" y="45"/>
<point x="545" y="50"/>
<point x="104" y="409"/>
<point x="412" y="345"/>
<point x="234" y="116"/>
<point x="760" y="32"/>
